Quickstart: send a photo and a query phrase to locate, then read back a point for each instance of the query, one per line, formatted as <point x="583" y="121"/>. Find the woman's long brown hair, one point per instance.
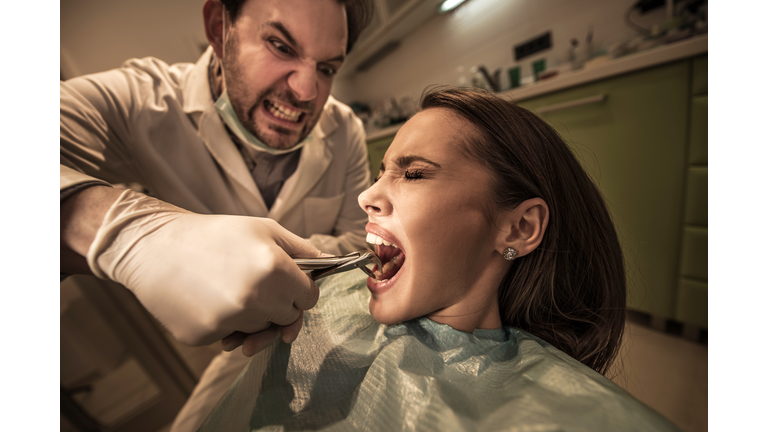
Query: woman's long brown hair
<point x="571" y="290"/>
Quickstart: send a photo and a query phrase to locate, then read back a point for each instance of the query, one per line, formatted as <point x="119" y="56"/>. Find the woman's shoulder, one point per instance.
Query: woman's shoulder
<point x="494" y="378"/>
<point x="575" y="393"/>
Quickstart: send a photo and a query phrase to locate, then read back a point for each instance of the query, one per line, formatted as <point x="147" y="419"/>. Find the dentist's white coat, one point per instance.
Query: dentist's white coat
<point x="156" y="125"/>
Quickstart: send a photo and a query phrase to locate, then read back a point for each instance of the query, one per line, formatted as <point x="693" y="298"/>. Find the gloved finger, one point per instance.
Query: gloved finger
<point x="256" y="342"/>
<point x="307" y="294"/>
<point x="233" y="341"/>
<point x="290" y="332"/>
<point x="296" y="246"/>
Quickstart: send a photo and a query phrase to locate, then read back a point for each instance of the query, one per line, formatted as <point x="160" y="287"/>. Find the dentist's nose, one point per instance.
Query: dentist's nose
<point x="374" y="201"/>
<point x="303" y="82"/>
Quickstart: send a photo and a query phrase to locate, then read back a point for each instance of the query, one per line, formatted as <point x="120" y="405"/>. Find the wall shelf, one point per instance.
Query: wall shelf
<point x="393" y="20"/>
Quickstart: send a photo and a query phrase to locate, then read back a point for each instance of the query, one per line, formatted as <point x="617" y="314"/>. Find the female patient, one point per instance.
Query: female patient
<point x="502" y="278"/>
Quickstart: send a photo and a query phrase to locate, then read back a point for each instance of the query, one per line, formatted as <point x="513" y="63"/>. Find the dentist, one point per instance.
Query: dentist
<point x="193" y="185"/>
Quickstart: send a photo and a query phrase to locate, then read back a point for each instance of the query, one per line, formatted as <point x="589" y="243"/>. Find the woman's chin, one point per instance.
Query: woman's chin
<point x="381" y="315"/>
<point x="388" y="304"/>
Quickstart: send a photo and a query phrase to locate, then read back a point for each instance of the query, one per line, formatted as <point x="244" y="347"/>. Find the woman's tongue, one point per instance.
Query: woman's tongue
<point x="392" y="259"/>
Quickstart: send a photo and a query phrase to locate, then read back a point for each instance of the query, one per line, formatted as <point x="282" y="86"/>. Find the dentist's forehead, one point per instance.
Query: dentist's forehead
<point x="321" y="24"/>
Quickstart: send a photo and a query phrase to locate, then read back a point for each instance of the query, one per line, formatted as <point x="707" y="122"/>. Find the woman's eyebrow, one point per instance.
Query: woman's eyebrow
<point x="406" y="161"/>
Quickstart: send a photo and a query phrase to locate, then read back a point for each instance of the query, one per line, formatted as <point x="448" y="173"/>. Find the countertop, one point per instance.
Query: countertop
<point x="629" y="63"/>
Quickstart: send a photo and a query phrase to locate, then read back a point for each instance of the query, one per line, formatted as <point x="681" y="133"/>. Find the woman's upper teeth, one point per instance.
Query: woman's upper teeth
<point x="376" y="240"/>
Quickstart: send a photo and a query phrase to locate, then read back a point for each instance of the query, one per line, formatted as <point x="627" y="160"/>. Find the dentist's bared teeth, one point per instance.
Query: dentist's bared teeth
<point x="282" y="112"/>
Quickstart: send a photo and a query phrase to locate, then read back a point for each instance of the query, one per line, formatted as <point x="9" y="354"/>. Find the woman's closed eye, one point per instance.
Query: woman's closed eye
<point x="414" y="174"/>
<point x="410" y="174"/>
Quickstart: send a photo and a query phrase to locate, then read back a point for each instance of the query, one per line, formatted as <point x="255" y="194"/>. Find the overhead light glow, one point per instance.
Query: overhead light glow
<point x="448" y="5"/>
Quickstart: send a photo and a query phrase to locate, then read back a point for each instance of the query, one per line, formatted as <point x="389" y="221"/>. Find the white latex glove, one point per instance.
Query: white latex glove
<point x="205" y="277"/>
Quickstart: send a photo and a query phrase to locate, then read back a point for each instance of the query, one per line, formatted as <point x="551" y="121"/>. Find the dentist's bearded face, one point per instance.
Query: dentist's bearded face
<point x="279" y="61"/>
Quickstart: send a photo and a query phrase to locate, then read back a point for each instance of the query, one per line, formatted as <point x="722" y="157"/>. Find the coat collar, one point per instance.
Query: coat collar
<point x="196" y="89"/>
<point x="314" y="161"/>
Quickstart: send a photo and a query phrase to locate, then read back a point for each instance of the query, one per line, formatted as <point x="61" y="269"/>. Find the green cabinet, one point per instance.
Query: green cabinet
<point x="698" y="136"/>
<point x="700" y="78"/>
<point x="692" y="284"/>
<point x="376" y="151"/>
<point x="631" y="134"/>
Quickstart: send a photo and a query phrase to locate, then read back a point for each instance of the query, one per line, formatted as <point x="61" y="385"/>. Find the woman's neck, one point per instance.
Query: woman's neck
<point x="475" y="312"/>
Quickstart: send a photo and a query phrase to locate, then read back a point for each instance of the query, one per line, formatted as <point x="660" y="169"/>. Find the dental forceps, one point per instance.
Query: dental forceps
<point x="326" y="266"/>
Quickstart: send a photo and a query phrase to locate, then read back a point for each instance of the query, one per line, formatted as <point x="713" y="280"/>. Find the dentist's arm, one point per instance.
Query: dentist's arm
<point x="204" y="277"/>
<point x="80" y="218"/>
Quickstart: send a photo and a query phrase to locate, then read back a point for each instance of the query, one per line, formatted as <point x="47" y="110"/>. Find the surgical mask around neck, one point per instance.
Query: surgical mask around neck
<point x="228" y="115"/>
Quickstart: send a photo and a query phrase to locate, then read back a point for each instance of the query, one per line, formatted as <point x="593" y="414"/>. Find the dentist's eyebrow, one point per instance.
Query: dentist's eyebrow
<point x="277" y="25"/>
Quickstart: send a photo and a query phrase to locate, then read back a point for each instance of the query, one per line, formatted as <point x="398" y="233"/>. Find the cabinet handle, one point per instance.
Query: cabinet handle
<point x="571" y="104"/>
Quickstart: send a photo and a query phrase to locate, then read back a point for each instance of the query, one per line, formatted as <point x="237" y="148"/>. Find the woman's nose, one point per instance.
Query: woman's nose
<point x="374" y="201"/>
<point x="303" y="82"/>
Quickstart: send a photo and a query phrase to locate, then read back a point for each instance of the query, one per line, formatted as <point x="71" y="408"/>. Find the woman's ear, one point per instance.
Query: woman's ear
<point x="523" y="227"/>
<point x="213" y="18"/>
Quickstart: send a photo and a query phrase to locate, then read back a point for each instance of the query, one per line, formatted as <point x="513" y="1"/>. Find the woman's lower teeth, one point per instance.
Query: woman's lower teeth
<point x="387" y="268"/>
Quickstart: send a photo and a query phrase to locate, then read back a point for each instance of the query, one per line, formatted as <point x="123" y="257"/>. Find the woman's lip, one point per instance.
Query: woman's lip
<point x="372" y="228"/>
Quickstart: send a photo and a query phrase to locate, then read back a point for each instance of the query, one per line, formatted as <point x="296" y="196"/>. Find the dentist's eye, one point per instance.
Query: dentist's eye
<point x="327" y="71"/>
<point x="283" y="48"/>
<point x="414" y="175"/>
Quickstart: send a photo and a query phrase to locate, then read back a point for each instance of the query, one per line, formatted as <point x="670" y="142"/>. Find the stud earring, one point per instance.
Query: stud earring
<point x="509" y="254"/>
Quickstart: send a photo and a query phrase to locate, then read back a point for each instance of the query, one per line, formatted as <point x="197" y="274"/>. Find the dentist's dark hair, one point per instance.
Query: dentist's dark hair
<point x="359" y="15"/>
<point x="571" y="290"/>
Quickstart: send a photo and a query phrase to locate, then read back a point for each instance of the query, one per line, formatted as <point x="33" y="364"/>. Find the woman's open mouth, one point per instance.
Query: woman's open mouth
<point x="283" y="111"/>
<point x="392" y="258"/>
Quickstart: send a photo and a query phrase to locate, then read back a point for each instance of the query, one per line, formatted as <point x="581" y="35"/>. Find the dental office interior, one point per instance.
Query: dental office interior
<point x="623" y="81"/>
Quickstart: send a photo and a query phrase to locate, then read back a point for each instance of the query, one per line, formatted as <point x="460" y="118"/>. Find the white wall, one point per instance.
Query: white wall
<point x="98" y="35"/>
<point x="485" y="32"/>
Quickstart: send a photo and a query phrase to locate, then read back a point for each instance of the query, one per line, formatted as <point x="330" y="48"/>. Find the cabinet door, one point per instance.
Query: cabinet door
<point x="629" y="132"/>
<point x="376" y="151"/>
<point x="118" y="371"/>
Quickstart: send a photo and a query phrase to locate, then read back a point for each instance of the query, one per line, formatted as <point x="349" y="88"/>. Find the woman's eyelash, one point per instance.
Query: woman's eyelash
<point x="414" y="175"/>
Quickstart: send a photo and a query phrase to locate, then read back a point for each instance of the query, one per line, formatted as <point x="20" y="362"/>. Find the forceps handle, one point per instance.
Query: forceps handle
<point x="324" y="262"/>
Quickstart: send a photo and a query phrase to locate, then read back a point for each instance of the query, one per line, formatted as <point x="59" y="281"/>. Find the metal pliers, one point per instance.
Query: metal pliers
<point x="326" y="266"/>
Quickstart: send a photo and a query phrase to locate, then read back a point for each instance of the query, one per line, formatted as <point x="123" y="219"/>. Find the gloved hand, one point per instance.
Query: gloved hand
<point x="205" y="277"/>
